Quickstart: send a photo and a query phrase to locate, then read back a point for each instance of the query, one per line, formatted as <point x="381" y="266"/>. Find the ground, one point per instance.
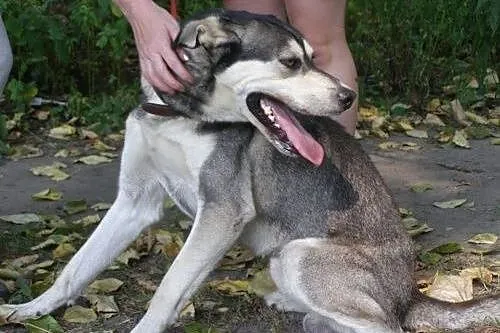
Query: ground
<point x="453" y="172"/>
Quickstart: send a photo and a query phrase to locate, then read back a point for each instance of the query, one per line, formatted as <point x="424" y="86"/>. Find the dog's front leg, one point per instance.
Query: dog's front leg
<point x="216" y="228"/>
<point x="134" y="209"/>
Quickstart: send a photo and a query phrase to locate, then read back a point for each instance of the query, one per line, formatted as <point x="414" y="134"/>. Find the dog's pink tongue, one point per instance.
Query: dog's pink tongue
<point x="305" y="144"/>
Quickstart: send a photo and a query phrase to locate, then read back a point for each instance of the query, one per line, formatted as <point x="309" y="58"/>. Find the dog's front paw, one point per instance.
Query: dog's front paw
<point x="16" y="313"/>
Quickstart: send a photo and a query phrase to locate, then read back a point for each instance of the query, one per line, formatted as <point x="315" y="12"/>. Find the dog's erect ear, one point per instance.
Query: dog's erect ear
<point x="207" y="32"/>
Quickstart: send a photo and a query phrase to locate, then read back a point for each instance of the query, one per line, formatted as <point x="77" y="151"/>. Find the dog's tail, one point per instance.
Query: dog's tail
<point x="427" y="312"/>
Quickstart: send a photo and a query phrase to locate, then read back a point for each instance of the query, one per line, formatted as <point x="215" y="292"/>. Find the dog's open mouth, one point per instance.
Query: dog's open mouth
<point x="284" y="129"/>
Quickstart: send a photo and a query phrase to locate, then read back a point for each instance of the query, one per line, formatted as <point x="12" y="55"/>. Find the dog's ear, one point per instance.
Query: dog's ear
<point x="208" y="32"/>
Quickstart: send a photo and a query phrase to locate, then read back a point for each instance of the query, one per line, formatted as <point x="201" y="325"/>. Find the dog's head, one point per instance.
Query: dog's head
<point x="256" y="68"/>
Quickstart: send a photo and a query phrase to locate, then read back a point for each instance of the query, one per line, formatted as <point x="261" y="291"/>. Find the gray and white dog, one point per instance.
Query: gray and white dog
<point x="251" y="154"/>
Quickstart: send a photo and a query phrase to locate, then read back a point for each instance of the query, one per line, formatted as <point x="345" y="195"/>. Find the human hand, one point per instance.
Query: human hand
<point x="154" y="30"/>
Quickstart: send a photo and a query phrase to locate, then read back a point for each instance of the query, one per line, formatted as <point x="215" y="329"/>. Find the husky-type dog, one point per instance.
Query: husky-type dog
<point x="251" y="153"/>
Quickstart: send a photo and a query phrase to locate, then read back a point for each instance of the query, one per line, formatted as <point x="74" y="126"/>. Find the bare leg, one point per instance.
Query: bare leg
<point x="270" y="7"/>
<point x="323" y="25"/>
<point x="5" y="56"/>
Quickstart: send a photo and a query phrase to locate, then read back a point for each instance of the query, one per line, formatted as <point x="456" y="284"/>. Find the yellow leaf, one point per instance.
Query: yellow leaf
<point x="451" y="288"/>
<point x="62" y="132"/>
<point x="80" y="315"/>
<point x="421" y="134"/>
<point x="460" y="139"/>
<point x="63" y="250"/>
<point x="231" y="287"/>
<point x="476" y="118"/>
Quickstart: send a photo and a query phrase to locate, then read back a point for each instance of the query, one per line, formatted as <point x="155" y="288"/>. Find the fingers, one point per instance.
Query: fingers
<point x="176" y="66"/>
<point x="155" y="70"/>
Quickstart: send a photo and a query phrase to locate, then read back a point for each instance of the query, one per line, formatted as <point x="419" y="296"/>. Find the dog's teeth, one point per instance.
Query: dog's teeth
<point x="276" y="125"/>
<point x="271" y="117"/>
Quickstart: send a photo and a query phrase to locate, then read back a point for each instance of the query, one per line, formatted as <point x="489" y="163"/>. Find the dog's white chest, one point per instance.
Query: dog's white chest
<point x="175" y="148"/>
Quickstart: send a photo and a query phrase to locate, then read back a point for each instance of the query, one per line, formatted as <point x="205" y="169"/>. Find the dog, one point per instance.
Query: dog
<point x="252" y="154"/>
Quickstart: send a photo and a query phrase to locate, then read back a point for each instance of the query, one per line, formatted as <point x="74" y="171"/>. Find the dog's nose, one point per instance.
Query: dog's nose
<point x="346" y="97"/>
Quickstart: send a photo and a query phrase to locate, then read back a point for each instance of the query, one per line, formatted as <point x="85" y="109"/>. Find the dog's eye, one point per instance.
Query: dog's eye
<point x="292" y="63"/>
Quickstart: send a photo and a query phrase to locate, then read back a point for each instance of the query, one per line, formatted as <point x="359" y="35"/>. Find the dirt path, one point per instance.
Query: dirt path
<point x="455" y="173"/>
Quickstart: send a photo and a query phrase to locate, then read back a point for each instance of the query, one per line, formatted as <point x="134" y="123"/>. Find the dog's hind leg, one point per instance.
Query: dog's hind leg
<point x="139" y="204"/>
<point x="331" y="283"/>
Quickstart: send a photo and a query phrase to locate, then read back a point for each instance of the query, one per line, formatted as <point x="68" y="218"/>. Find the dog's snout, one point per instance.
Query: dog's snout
<point x="346" y="97"/>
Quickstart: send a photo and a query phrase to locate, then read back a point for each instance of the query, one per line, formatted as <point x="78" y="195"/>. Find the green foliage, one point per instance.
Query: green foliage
<point x="68" y="45"/>
<point x="416" y="47"/>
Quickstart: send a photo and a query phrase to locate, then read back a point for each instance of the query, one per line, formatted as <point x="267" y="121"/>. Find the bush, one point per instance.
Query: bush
<point x="412" y="48"/>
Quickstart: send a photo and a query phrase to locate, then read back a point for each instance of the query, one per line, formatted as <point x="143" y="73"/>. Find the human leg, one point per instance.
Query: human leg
<point x="5" y="56"/>
<point x="323" y="25"/>
<point x="270" y="7"/>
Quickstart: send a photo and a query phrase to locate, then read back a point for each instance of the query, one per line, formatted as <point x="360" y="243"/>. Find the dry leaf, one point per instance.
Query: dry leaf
<point x="451" y="288"/>
<point x="24" y="151"/>
<point x="414" y="227"/>
<point x="80" y="315"/>
<point x="93" y="160"/>
<point x="188" y="312"/>
<point x="449" y="204"/>
<point x="104" y="286"/>
<point x="53" y="171"/>
<point x="88" y="134"/>
<point x="421" y="187"/>
<point x="101" y="146"/>
<point x="103" y="303"/>
<point x="62" y="132"/>
<point x="63" y="250"/>
<point x="75" y="206"/>
<point x="486" y="238"/>
<point x="458" y="113"/>
<point x="88" y="220"/>
<point x="433" y="120"/>
<point x="21" y="218"/>
<point x="231" y="287"/>
<point x="127" y="255"/>
<point x="495" y="141"/>
<point x="262" y="283"/>
<point x="478" y="273"/>
<point x="460" y="139"/>
<point x="476" y="118"/>
<point x="421" y="134"/>
<point x="47" y="194"/>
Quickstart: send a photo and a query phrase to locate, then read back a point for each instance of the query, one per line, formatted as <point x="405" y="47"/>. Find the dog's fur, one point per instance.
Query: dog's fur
<point x="338" y="250"/>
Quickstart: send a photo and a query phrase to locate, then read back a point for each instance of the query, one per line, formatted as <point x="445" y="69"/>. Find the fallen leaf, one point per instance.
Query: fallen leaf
<point x="101" y="146"/>
<point x="128" y="255"/>
<point x="68" y="152"/>
<point x="485" y="238"/>
<point x="445" y="136"/>
<point x="88" y="220"/>
<point x="22" y="261"/>
<point x="103" y="303"/>
<point x="53" y="171"/>
<point x="47" y="194"/>
<point x="388" y="145"/>
<point x="41" y="115"/>
<point x="379" y="133"/>
<point x="479" y="273"/>
<point x="9" y="274"/>
<point x="188" y="312"/>
<point x="491" y="78"/>
<point x="62" y="132"/>
<point x="367" y="114"/>
<point x="449" y="204"/>
<point x="451" y="288"/>
<point x="262" y="283"/>
<point x="421" y="134"/>
<point x="433" y="104"/>
<point x="21" y="218"/>
<point x="168" y="242"/>
<point x="458" y="113"/>
<point x="473" y="84"/>
<point x="414" y="227"/>
<point x="51" y="240"/>
<point x="495" y="141"/>
<point x="43" y="264"/>
<point x="45" y="324"/>
<point x="88" y="134"/>
<point x="478" y="132"/>
<point x="429" y="258"/>
<point x="433" y="120"/>
<point x="237" y="255"/>
<point x="476" y="118"/>
<point x="230" y="287"/>
<point x="448" y="248"/>
<point x="108" y="154"/>
<point x="63" y="250"/>
<point x="409" y="146"/>
<point x="93" y="160"/>
<point x="404" y="125"/>
<point x="24" y="151"/>
<point x="104" y="286"/>
<point x="421" y="187"/>
<point x="79" y="315"/>
<point x="75" y="206"/>
<point x="101" y="206"/>
<point x="404" y="212"/>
